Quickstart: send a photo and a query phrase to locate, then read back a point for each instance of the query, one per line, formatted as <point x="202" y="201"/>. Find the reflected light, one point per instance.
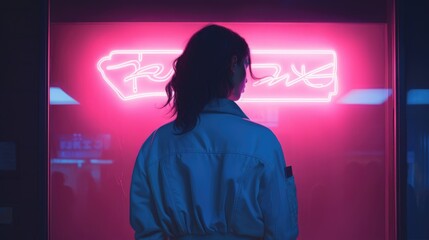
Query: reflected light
<point x="418" y="97"/>
<point x="100" y="161"/>
<point x="58" y="97"/>
<point x="79" y="162"/>
<point x="366" y="96"/>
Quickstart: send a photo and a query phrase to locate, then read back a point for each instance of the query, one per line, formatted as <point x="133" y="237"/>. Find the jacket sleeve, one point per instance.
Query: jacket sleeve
<point x="143" y="215"/>
<point x="277" y="199"/>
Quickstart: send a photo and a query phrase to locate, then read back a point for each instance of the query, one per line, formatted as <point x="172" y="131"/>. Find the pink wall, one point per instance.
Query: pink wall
<point x="340" y="148"/>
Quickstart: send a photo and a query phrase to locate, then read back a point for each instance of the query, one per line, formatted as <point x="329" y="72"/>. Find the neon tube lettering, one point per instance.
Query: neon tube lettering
<point x="136" y="74"/>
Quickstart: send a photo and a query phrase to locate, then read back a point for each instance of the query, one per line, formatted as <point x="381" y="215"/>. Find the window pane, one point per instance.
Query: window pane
<point x="328" y="98"/>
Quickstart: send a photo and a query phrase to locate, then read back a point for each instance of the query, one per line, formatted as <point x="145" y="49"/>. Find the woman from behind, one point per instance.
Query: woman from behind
<point x="212" y="173"/>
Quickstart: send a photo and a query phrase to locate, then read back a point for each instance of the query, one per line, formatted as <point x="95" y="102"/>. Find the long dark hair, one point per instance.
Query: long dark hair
<point x="203" y="73"/>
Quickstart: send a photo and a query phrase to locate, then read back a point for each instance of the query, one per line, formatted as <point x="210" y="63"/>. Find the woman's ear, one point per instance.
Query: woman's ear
<point x="234" y="61"/>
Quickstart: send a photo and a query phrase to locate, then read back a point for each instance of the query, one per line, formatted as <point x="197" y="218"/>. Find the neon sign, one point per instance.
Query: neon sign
<point x="285" y="75"/>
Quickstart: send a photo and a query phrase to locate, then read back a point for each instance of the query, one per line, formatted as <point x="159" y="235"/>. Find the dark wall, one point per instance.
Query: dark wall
<point x="220" y="10"/>
<point x="23" y="118"/>
<point x="413" y="52"/>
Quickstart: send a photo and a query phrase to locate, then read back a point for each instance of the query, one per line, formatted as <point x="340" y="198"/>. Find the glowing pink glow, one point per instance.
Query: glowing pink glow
<point x="122" y="67"/>
<point x="136" y="74"/>
<point x="302" y="75"/>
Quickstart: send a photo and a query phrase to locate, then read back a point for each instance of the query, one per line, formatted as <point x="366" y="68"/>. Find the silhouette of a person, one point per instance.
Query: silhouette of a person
<point x="212" y="173"/>
<point x="62" y="208"/>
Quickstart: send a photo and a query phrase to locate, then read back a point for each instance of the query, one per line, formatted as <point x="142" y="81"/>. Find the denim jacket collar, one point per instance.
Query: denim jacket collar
<point x="223" y="105"/>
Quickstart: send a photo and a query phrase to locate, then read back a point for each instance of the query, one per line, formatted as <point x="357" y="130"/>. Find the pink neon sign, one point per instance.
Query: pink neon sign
<point x="287" y="75"/>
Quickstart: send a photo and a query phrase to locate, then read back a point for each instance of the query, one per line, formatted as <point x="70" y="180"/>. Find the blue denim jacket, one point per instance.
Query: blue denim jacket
<point x="225" y="179"/>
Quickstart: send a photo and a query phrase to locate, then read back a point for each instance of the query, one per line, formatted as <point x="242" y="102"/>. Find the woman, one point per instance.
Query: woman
<point x="212" y="173"/>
